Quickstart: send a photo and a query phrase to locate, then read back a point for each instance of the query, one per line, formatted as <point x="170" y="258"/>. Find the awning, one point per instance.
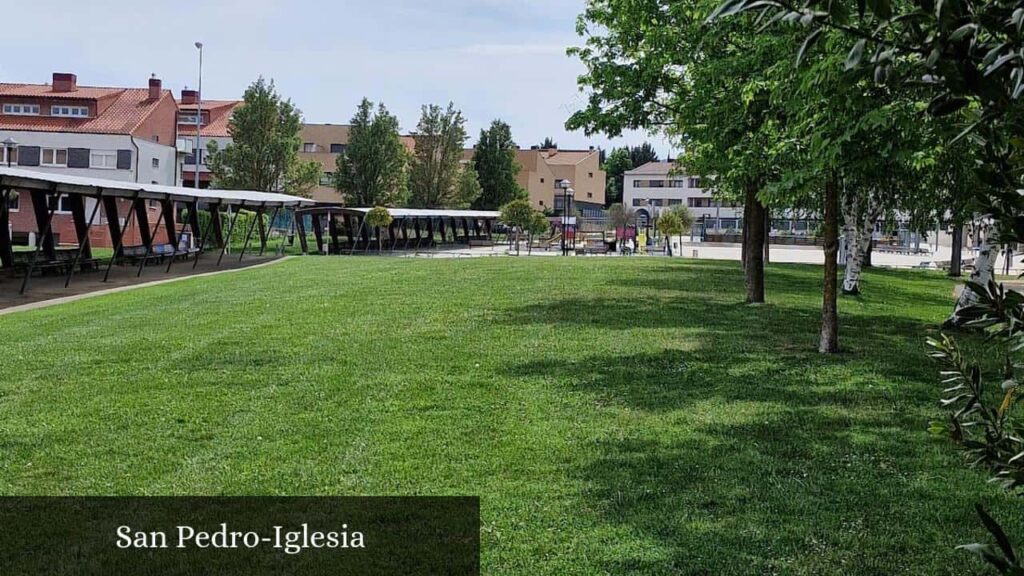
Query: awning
<point x="66" y="184"/>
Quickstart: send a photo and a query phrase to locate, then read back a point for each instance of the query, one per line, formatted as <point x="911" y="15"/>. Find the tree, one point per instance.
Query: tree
<point x="263" y="154"/>
<point x="468" y="187"/>
<point x="379" y="218"/>
<point x="615" y="166"/>
<point x="302" y="178"/>
<point x="548" y="143"/>
<point x="642" y="154"/>
<point x="517" y="214"/>
<point x="440" y="137"/>
<point x="373" y="169"/>
<point x="495" y="161"/>
<point x="648" y="68"/>
<point x="538" y="224"/>
<point x="674" y="222"/>
<point x="621" y="217"/>
<point x="670" y="225"/>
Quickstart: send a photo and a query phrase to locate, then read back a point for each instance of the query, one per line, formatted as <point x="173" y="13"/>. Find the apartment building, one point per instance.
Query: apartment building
<point x="213" y="117"/>
<point x="541" y="170"/>
<point x="323" y="143"/>
<point x="125" y="134"/>
<point x="656" y="186"/>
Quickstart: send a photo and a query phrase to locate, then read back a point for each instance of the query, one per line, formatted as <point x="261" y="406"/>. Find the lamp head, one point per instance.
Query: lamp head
<point x="199" y="45"/>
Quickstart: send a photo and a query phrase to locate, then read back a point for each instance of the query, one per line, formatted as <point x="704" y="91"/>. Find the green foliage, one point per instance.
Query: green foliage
<point x="685" y="216"/>
<point x="987" y="424"/>
<point x="495" y="161"/>
<point x="374" y="168"/>
<point x="642" y="154"/>
<point x="302" y="177"/>
<point x="615" y="166"/>
<point x="670" y="224"/>
<point x="263" y="154"/>
<point x="548" y="143"/>
<point x="621" y="216"/>
<point x="518" y="215"/>
<point x="468" y="187"/>
<point x="434" y="180"/>
<point x="1002" y="557"/>
<point x="378" y="217"/>
<point x="538" y="224"/>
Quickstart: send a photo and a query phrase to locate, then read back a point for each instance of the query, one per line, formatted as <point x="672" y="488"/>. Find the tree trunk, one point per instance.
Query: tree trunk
<point x="984" y="272"/>
<point x="754" y="241"/>
<point x="829" y="342"/>
<point x="956" y="259"/>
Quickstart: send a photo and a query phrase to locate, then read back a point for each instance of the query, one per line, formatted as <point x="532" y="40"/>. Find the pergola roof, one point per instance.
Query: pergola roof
<point x="406" y="212"/>
<point x="65" y="184"/>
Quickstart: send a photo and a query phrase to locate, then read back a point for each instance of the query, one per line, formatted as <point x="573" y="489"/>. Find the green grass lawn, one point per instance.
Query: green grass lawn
<point x="616" y="415"/>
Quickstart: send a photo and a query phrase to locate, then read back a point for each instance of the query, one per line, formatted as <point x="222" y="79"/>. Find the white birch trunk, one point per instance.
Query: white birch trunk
<point x="984" y="272"/>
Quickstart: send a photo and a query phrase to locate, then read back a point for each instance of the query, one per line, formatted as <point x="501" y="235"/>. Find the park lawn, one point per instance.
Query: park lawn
<point x="616" y="415"/>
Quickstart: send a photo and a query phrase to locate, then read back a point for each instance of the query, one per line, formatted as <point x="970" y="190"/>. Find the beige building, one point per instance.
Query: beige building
<point x="542" y="169"/>
<point x="324" y="143"/>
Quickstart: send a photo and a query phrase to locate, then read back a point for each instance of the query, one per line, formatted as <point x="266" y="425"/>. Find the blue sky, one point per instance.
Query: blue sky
<point x="493" y="58"/>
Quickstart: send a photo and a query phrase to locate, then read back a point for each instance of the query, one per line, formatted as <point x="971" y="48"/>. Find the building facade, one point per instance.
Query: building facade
<point x="323" y="143"/>
<point x="657" y="186"/>
<point x="125" y="134"/>
<point x="213" y="119"/>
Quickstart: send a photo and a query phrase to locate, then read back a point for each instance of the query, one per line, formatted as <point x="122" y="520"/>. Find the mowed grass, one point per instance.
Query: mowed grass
<point x="615" y="415"/>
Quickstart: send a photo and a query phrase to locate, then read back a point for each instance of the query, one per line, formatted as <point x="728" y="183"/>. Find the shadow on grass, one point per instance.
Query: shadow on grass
<point x="777" y="459"/>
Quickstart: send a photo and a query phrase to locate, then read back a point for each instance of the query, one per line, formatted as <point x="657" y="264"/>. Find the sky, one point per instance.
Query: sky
<point x="493" y="58"/>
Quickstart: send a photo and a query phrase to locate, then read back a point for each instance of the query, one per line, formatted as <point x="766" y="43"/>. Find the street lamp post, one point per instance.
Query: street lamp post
<point x="9" y="144"/>
<point x="565" y="187"/>
<point x="199" y="115"/>
<point x="567" y="197"/>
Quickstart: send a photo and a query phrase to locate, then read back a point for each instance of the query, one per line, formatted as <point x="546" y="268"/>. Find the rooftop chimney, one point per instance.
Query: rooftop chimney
<point x="155" y="88"/>
<point x="64" y="82"/>
<point x="189" y="97"/>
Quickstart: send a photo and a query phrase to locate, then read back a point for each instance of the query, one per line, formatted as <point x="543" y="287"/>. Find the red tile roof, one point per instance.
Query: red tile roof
<point x="220" y="113"/>
<point x="121" y="110"/>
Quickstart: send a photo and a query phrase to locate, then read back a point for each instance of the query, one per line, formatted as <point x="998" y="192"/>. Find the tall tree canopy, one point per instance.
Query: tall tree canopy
<point x="615" y="166"/>
<point x="440" y="136"/>
<point x="373" y="170"/>
<point x="548" y="143"/>
<point x="495" y="161"/>
<point x="263" y="154"/>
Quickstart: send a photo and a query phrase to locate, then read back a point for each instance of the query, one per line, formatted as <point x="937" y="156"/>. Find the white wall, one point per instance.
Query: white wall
<point x="631" y="192"/>
<point x="142" y="158"/>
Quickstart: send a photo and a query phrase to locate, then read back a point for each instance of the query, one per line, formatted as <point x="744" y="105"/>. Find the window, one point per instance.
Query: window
<point x="188" y="118"/>
<point x="541" y="180"/>
<point x="327" y="179"/>
<point x="638" y="201"/>
<point x="156" y="162"/>
<point x="677" y="184"/>
<point x="70" y="111"/>
<point x="103" y="159"/>
<point x="675" y="202"/>
<point x="590" y="194"/>
<point x="694" y="182"/>
<point x="156" y="138"/>
<point x="60" y="204"/>
<point x="309" y="147"/>
<point x="591" y="174"/>
<point x="21" y="109"/>
<point x="14" y="201"/>
<point x="337" y="148"/>
<point x="700" y="202"/>
<point x="54" y="157"/>
<point x="12" y="152"/>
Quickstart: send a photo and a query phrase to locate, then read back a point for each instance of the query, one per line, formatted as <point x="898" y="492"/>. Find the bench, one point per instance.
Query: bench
<point x="480" y="242"/>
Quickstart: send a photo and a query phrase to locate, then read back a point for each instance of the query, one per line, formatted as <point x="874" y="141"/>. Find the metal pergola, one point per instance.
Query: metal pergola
<point x="46" y="189"/>
<point x="410" y="228"/>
